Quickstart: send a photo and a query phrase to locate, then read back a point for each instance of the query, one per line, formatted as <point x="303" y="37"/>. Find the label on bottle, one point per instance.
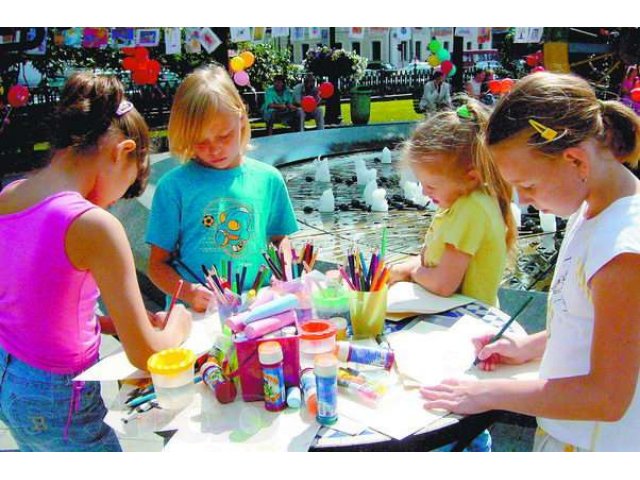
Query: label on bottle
<point x="378" y="357"/>
<point x="274" y="389"/>
<point x="327" y="395"/>
<point x="212" y="375"/>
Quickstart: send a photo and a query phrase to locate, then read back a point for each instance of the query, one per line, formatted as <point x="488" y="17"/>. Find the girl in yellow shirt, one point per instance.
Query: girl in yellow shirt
<point x="467" y="244"/>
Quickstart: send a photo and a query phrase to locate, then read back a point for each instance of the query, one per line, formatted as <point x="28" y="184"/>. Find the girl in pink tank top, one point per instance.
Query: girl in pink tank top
<point x="61" y="246"/>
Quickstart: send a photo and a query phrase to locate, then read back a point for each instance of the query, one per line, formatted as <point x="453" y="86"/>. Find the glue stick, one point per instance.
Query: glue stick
<point x="308" y="387"/>
<point x="271" y="358"/>
<point x="325" y="367"/>
<point x="380" y="357"/>
<point x="214" y="378"/>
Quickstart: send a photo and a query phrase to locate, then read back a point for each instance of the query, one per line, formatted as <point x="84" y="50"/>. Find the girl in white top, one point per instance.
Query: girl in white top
<point x="564" y="150"/>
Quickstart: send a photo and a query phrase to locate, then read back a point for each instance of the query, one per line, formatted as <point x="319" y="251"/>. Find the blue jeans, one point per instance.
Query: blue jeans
<point x="35" y="405"/>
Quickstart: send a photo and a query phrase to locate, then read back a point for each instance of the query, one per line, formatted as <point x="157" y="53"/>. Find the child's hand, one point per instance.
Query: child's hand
<point x="198" y="297"/>
<point x="457" y="396"/>
<point x="506" y="350"/>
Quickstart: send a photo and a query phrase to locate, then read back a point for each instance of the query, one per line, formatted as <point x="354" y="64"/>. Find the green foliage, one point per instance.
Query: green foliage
<point x="270" y="61"/>
<point x="335" y="62"/>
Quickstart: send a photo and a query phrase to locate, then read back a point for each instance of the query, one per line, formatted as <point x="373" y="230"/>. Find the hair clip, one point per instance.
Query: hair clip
<point x="463" y="112"/>
<point x="124" y="107"/>
<point x="545" y="132"/>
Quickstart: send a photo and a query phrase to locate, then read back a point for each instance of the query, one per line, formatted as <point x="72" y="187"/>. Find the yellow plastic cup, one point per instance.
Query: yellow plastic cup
<point x="368" y="311"/>
<point x="172" y="375"/>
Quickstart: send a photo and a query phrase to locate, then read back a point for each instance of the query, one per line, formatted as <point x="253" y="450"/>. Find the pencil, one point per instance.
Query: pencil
<point x="191" y="272"/>
<point x="504" y="328"/>
<point x="173" y="301"/>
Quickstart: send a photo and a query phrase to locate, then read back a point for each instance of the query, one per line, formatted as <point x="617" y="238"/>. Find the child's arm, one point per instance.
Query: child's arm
<point x="444" y="279"/>
<point x="603" y="394"/>
<point x="164" y="276"/>
<point x="97" y="242"/>
<point x="401" y="272"/>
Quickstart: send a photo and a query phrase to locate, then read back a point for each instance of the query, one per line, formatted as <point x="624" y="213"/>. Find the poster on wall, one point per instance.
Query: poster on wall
<point x="40" y="49"/>
<point x="240" y="34"/>
<point x="277" y="32"/>
<point x="192" y="40"/>
<point x="356" y="33"/>
<point x="148" y="37"/>
<point x="95" y="37"/>
<point x="73" y="37"/>
<point x="297" y="34"/>
<point x="484" y="35"/>
<point x="467" y="32"/>
<point x="521" y="35"/>
<point x="172" y="41"/>
<point x="259" y="34"/>
<point x="123" y="37"/>
<point x="314" y="33"/>
<point x="209" y="40"/>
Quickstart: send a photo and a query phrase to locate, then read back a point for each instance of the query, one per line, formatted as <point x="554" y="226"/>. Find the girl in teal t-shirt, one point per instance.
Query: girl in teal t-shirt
<point x="219" y="206"/>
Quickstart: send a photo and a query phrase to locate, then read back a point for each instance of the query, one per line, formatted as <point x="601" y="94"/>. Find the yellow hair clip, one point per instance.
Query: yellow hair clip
<point x="545" y="132"/>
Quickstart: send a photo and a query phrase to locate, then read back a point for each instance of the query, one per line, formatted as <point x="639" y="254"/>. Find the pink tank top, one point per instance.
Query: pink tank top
<point x="47" y="306"/>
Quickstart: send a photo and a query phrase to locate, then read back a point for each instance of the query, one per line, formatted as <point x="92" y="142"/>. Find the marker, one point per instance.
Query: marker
<point x="138" y="411"/>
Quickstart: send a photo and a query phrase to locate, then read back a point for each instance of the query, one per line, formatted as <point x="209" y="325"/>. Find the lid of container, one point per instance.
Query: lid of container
<point x="270" y="353"/>
<point x="325" y="365"/>
<point x="317" y="330"/>
<point x="339" y="322"/>
<point x="171" y="361"/>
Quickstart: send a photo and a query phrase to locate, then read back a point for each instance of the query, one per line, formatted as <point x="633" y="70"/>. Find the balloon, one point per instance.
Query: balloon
<point x="129" y="51"/>
<point x="433" y="61"/>
<point x="154" y="66"/>
<point x="141" y="53"/>
<point x="308" y="103"/>
<point x="237" y="64"/>
<point x="532" y="60"/>
<point x="495" y="86"/>
<point x="446" y="66"/>
<point x="326" y="90"/>
<point x="434" y="46"/>
<point x="241" y="78"/>
<point x="452" y="72"/>
<point x="130" y="63"/>
<point x="635" y="94"/>
<point x="248" y="57"/>
<point x="18" y="96"/>
<point x="506" y="85"/>
<point x="539" y="68"/>
<point x="443" y="55"/>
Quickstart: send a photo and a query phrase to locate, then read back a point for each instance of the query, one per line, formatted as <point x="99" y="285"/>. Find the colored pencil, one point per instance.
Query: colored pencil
<point x="173" y="302"/>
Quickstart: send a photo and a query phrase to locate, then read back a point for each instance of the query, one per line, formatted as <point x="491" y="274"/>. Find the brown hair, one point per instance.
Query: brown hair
<point x="199" y="98"/>
<point x="568" y="105"/>
<point x="450" y="132"/>
<point x="87" y="111"/>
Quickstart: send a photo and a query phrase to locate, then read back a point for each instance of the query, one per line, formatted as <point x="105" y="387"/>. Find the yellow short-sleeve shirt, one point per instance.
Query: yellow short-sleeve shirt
<point x="473" y="225"/>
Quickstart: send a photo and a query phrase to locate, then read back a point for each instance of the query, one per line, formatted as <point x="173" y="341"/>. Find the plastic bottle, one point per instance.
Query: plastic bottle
<point x="293" y="397"/>
<point x="308" y="387"/>
<point x="332" y="301"/>
<point x="326" y="371"/>
<point x="271" y="359"/>
<point x="380" y="357"/>
<point x="213" y="377"/>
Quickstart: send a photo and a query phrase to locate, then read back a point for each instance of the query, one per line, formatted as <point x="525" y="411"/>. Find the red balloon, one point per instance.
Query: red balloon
<point x="326" y="90"/>
<point x="539" y="56"/>
<point x="495" y="86"/>
<point x="141" y="77"/>
<point x="506" y="85"/>
<point x="537" y="69"/>
<point x="154" y="66"/>
<point x="129" y="51"/>
<point x="141" y="53"/>
<point x="130" y="63"/>
<point x="446" y="66"/>
<point x="635" y="94"/>
<point x="309" y="104"/>
<point x="18" y="96"/>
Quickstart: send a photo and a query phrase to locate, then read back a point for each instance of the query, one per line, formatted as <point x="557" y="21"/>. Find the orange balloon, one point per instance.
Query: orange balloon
<point x="495" y="86"/>
<point x="248" y="57"/>
<point x="635" y="94"/>
<point x="506" y="85"/>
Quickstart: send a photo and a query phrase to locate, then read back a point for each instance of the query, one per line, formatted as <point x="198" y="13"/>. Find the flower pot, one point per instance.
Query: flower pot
<point x="360" y="105"/>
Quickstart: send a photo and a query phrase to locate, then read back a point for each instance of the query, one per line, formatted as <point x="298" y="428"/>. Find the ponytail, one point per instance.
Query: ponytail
<point x="622" y="128"/>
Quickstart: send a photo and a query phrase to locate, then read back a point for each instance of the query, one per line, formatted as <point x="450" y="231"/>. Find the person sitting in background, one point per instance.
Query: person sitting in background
<point x="437" y="94"/>
<point x="279" y="107"/>
<point x="308" y="88"/>
<point x="474" y="87"/>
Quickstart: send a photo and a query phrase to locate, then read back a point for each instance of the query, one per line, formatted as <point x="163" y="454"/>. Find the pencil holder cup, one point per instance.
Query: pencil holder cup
<point x="368" y="312"/>
<point x="172" y="375"/>
<point x="300" y="289"/>
<point x="225" y="310"/>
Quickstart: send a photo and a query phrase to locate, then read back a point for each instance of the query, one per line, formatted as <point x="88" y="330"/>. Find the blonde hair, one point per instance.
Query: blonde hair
<point x="462" y="137"/>
<point x="201" y="96"/>
<point x="568" y="105"/>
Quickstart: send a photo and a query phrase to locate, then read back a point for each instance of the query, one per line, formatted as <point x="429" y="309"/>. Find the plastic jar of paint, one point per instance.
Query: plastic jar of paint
<point x="317" y="336"/>
<point x="172" y="375"/>
<point x="341" y="327"/>
<point x="309" y="391"/>
<point x="325" y="368"/>
<point x="272" y="361"/>
<point x="379" y="357"/>
<point x="332" y="301"/>
<point x="213" y="377"/>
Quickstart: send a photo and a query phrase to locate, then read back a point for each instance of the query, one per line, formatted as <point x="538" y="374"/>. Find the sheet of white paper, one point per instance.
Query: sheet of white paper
<point x="242" y="427"/>
<point x="348" y="426"/>
<point x="406" y="297"/>
<point x="117" y="366"/>
<point x="398" y="414"/>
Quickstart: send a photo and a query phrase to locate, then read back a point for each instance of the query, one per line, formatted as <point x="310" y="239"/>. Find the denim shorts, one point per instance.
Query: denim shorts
<point x="35" y="405"/>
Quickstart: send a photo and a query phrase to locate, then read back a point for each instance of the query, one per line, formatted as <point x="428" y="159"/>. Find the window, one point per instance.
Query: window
<point x="404" y="50"/>
<point x="376" y="49"/>
<point x="446" y="45"/>
<point x="355" y="47"/>
<point x="305" y="49"/>
<point x="418" y="53"/>
<point x="469" y="46"/>
<point x="480" y="46"/>
<point x="338" y="44"/>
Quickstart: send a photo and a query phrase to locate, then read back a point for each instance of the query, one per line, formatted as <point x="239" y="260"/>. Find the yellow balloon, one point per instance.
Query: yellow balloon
<point x="248" y="58"/>
<point x="237" y="64"/>
<point x="433" y="60"/>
